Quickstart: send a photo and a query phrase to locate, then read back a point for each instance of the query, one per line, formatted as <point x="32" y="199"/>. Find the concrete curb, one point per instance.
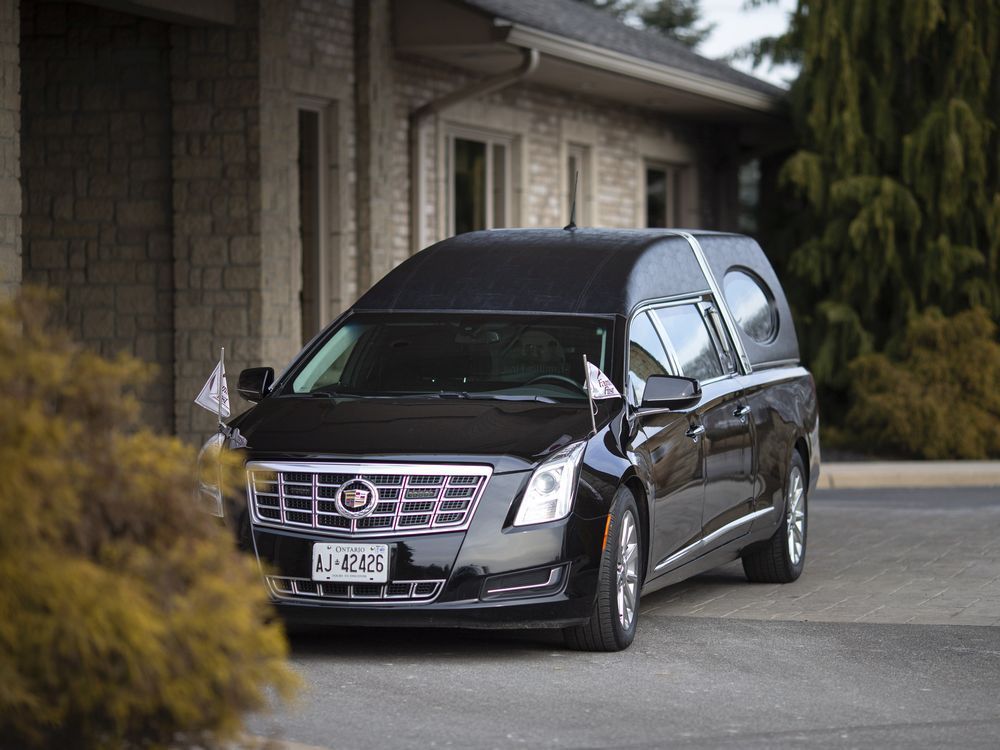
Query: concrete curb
<point x="908" y="474"/>
<point x="256" y="742"/>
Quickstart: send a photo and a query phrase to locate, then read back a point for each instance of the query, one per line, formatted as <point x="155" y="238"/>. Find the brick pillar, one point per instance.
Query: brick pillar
<point x="376" y="130"/>
<point x="10" y="149"/>
<point x="279" y="221"/>
<point x="216" y="179"/>
<point x="96" y="181"/>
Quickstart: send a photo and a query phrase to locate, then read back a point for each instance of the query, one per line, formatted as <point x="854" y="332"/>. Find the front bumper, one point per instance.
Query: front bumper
<point x="491" y="576"/>
<point x="542" y="577"/>
<point x="557" y="611"/>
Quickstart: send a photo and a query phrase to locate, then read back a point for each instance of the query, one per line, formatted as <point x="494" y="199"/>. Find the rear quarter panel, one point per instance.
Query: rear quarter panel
<point x="782" y="401"/>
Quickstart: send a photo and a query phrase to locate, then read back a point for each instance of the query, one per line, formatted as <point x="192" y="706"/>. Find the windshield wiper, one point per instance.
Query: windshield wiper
<point x="492" y="396"/>
<point x="427" y="394"/>
<point x="457" y="395"/>
<point x="517" y="397"/>
<point x="321" y="394"/>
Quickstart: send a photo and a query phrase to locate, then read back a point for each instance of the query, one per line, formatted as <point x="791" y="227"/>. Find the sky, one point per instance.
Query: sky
<point x="736" y="27"/>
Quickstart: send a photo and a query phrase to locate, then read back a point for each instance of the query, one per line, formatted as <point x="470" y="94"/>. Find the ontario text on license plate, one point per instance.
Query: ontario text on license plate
<point x="350" y="563"/>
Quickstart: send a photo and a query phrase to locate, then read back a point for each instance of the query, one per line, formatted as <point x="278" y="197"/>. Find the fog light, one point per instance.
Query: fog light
<point x="525" y="583"/>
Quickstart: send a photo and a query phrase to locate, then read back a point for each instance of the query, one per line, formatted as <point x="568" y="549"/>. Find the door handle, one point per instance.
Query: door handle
<point x="742" y="412"/>
<point x="695" y="431"/>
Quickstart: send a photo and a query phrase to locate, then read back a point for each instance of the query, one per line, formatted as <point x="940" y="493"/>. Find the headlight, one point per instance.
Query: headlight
<point x="209" y="495"/>
<point x="549" y="496"/>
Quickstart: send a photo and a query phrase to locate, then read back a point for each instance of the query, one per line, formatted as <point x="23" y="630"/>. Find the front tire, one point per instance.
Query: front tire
<point x="782" y="557"/>
<point x="612" y="623"/>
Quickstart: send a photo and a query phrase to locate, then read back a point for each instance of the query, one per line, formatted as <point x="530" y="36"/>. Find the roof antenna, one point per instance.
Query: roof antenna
<point x="572" y="210"/>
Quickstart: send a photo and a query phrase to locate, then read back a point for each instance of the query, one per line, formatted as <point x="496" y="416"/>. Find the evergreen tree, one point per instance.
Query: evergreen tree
<point x="898" y="173"/>
<point x="677" y="19"/>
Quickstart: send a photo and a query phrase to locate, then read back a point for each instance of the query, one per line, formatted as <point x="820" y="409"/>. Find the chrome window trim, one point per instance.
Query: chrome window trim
<point x="650" y="308"/>
<point x="705" y="540"/>
<point x="718" y="378"/>
<point x="646" y="308"/>
<point x="772" y="363"/>
<point x="668" y="345"/>
<point x="720" y="337"/>
<point x="720" y="300"/>
<point x="338" y="467"/>
<point x="768" y="293"/>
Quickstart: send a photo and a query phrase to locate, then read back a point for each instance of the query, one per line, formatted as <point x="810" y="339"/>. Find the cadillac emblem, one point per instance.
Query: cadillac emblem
<point x="356" y="498"/>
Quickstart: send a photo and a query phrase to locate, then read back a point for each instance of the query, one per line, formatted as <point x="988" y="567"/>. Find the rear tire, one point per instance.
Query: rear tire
<point x="612" y="623"/>
<point x="781" y="558"/>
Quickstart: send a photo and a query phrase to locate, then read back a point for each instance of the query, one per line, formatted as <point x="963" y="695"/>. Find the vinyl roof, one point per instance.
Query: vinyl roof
<point x="592" y="271"/>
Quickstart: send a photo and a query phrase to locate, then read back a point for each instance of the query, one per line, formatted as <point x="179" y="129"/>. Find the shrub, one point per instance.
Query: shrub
<point x="935" y="395"/>
<point x="129" y="617"/>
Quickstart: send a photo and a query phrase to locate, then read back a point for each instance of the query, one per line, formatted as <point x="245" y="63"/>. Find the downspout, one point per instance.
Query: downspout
<point x="419" y="117"/>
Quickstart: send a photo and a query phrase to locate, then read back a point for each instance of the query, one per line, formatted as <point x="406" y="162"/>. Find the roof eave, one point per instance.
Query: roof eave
<point x="618" y="63"/>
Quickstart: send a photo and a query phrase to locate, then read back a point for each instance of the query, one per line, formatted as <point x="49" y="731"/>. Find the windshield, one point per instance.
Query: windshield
<point x="457" y="355"/>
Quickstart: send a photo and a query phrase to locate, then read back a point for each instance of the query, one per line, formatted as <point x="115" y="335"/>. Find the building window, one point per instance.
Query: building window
<point x="310" y="218"/>
<point x="578" y="163"/>
<point x="663" y="194"/>
<point x="320" y="187"/>
<point x="479" y="171"/>
<point x="749" y="195"/>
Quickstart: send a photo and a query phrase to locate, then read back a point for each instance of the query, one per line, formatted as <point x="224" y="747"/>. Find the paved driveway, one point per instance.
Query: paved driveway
<point x="927" y="557"/>
<point x="888" y="640"/>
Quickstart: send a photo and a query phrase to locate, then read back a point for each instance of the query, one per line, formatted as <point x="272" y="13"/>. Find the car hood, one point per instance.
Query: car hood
<point x="380" y="427"/>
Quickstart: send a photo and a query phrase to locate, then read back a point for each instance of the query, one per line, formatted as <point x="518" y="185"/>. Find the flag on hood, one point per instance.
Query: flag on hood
<point x="214" y="394"/>
<point x="600" y="385"/>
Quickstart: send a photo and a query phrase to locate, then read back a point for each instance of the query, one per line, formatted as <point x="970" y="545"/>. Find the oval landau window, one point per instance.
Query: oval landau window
<point x="752" y="304"/>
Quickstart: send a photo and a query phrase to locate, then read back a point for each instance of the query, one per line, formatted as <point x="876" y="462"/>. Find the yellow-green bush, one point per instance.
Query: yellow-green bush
<point x="127" y="617"/>
<point x="936" y="395"/>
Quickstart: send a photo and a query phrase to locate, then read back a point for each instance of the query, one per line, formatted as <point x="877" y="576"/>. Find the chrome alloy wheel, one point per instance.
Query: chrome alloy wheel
<point x="628" y="571"/>
<point x="796" y="515"/>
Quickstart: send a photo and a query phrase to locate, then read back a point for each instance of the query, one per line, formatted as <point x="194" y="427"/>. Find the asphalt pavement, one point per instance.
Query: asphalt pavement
<point x="890" y="639"/>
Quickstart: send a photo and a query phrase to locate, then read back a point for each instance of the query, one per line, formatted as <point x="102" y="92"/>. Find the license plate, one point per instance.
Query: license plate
<point x="351" y="563"/>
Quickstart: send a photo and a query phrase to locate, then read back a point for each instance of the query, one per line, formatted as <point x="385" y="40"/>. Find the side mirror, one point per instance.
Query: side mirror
<point x="670" y="392"/>
<point x="255" y="383"/>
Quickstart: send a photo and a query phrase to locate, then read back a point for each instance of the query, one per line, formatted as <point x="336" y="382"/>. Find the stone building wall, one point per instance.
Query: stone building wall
<point x="543" y="122"/>
<point x="375" y="111"/>
<point x="160" y="172"/>
<point x="217" y="266"/>
<point x="96" y="180"/>
<point x="307" y="60"/>
<point x="10" y="148"/>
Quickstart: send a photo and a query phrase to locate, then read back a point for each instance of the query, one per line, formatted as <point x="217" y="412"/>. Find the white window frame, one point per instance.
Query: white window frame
<point x="332" y="196"/>
<point x="320" y="108"/>
<point x="675" y="176"/>
<point x="490" y="139"/>
<point x="582" y="152"/>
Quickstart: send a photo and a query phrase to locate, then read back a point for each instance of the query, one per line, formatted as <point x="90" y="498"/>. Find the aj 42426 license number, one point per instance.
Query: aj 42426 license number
<point x="351" y="563"/>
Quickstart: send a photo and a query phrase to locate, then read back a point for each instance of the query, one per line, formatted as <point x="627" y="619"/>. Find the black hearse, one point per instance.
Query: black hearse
<point x="434" y="456"/>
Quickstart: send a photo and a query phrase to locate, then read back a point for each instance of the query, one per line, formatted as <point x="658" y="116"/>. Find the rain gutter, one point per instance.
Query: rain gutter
<point x="611" y="61"/>
<point x="529" y="62"/>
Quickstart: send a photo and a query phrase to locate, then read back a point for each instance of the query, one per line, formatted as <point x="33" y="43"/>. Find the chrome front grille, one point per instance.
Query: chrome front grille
<point x="283" y="587"/>
<point x="412" y="498"/>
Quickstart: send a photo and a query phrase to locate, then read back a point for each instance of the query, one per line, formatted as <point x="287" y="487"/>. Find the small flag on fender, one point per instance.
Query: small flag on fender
<point x="600" y="385"/>
<point x="214" y="394"/>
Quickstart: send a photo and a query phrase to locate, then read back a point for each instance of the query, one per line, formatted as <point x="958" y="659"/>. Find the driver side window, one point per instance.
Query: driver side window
<point x="646" y="356"/>
<point x="691" y="343"/>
